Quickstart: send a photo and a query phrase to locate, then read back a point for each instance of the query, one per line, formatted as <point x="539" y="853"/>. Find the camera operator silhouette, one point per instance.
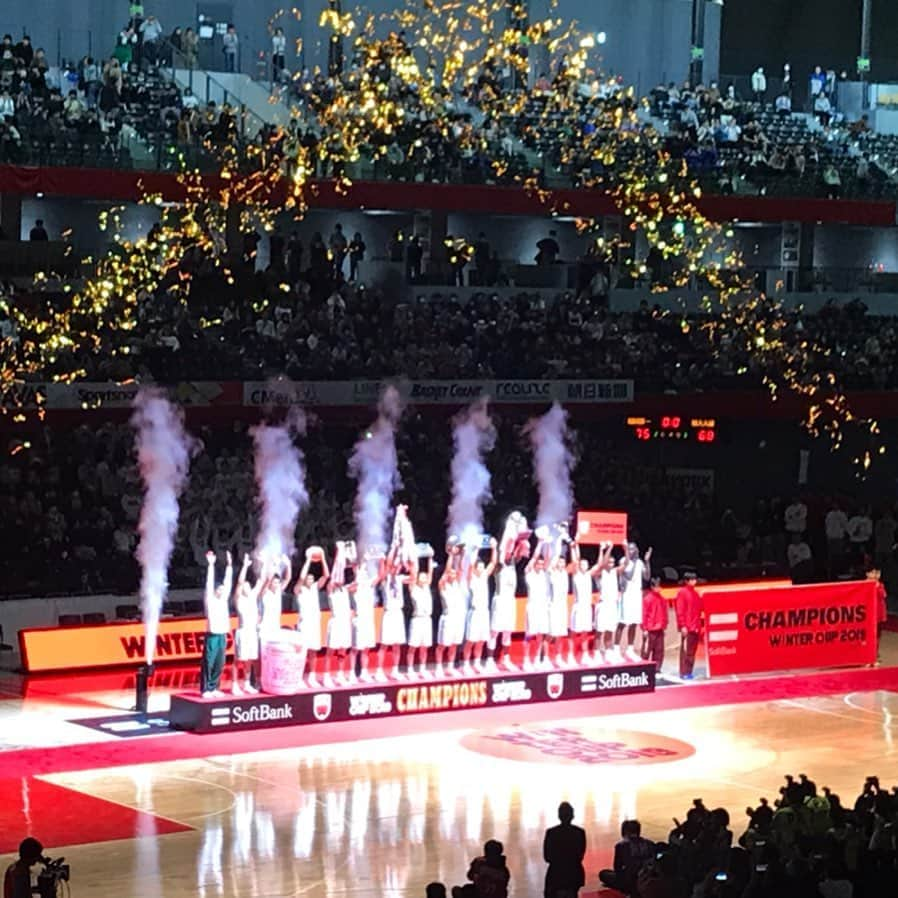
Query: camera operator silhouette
<point x="20" y="882"/>
<point x="17" y="879"/>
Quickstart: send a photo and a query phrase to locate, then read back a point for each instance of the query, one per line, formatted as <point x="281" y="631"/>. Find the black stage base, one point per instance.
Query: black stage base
<point x="401" y="698"/>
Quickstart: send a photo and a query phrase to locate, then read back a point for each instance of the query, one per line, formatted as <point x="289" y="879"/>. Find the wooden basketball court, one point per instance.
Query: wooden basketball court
<point x="385" y="816"/>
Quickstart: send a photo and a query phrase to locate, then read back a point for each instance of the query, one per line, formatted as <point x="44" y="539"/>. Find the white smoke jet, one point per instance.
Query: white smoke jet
<point x="473" y="435"/>
<point x="281" y="492"/>
<point x="164" y="450"/>
<point x="552" y="464"/>
<point x="374" y="464"/>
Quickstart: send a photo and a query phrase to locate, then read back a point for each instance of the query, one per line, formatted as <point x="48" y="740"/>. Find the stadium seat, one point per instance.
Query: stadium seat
<point x="173" y="609"/>
<point x="70" y="620"/>
<point x="127" y="612"/>
<point x="95" y="617"/>
<point x="193" y="607"/>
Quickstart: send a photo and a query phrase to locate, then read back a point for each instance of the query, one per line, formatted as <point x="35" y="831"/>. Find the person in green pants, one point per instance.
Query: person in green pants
<point x="218" y="625"/>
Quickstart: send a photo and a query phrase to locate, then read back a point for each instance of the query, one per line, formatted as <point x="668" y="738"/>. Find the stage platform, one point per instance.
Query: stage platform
<point x="407" y="697"/>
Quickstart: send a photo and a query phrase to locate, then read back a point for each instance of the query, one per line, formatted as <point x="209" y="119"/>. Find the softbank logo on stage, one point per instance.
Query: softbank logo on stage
<point x="259" y="713"/>
<point x="722" y="633"/>
<point x="620" y="680"/>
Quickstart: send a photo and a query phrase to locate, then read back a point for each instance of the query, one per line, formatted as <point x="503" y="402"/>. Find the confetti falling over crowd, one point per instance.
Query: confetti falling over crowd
<point x="409" y="74"/>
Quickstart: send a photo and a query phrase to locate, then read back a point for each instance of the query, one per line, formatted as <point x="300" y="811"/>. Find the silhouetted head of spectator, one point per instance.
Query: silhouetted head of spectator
<point x="565" y="812"/>
<point x="469" y="890"/>
<point x="630" y="829"/>
<point x="493" y="848"/>
<point x="435" y="890"/>
<point x="30" y="850"/>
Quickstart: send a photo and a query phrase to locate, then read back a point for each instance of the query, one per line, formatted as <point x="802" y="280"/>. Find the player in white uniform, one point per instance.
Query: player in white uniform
<point x="272" y="600"/>
<point x="218" y="627"/>
<point x="420" y="631"/>
<point x="364" y="595"/>
<point x="451" y="630"/>
<point x="246" y="639"/>
<point x="537" y="609"/>
<point x="608" y="606"/>
<point x="582" y="610"/>
<point x="339" y="634"/>
<point x="559" y="585"/>
<point x="392" y="625"/>
<point x="504" y="614"/>
<point x="513" y="547"/>
<point x="477" y="625"/>
<point x="308" y="604"/>
<point x="635" y="574"/>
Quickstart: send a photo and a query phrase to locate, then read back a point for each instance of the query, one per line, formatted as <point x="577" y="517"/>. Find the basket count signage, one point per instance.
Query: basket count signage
<point x="189" y="712"/>
<point x="786" y="628"/>
<point x="438" y="392"/>
<point x="92" y="396"/>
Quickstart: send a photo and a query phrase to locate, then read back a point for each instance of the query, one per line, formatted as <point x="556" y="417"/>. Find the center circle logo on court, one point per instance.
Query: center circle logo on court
<point x="575" y="745"/>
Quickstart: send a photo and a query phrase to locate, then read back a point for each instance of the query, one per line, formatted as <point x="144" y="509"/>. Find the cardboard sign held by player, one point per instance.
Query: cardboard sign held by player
<point x="597" y="527"/>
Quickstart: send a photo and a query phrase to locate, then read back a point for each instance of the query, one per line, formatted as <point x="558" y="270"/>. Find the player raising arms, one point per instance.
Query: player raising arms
<point x="339" y="627"/>
<point x="392" y="624"/>
<point x="364" y="595"/>
<point x="608" y="606"/>
<point x="477" y="629"/>
<point x="218" y="626"/>
<point x="582" y="610"/>
<point x="271" y="601"/>
<point x="420" y="631"/>
<point x="308" y="604"/>
<point x="537" y="608"/>
<point x="246" y="639"/>
<point x="559" y="618"/>
<point x="515" y="546"/>
<point x="451" y="630"/>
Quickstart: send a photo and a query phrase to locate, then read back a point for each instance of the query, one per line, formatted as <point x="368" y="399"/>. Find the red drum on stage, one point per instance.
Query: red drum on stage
<point x="282" y="666"/>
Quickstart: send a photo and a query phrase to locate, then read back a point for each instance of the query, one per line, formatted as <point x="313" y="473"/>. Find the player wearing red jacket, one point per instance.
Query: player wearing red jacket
<point x="654" y="623"/>
<point x="689" y="622"/>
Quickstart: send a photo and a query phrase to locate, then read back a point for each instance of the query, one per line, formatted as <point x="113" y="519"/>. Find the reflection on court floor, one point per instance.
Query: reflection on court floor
<point x="384" y="817"/>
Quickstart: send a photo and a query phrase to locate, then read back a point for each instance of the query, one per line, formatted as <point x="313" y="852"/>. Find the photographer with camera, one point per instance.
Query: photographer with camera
<point x="19" y="881"/>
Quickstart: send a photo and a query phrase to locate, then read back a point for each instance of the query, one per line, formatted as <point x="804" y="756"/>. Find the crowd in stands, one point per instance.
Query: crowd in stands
<point x="756" y="144"/>
<point x="125" y="111"/>
<point x="301" y="318"/>
<point x="94" y="112"/>
<point x="804" y="844"/>
<point x="70" y="500"/>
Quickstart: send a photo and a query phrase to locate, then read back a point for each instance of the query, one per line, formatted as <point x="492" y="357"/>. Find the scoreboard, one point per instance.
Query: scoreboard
<point x="673" y="427"/>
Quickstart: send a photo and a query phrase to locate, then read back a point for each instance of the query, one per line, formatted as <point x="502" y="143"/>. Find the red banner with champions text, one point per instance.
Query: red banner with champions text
<point x="791" y="627"/>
